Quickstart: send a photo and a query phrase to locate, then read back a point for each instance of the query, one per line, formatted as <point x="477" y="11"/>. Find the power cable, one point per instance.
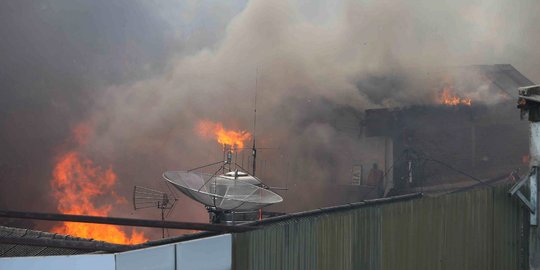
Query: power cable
<point x="458" y="171"/>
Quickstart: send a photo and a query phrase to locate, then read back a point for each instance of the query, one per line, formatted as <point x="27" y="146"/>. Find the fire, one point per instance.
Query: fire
<point x="447" y="98"/>
<point x="525" y="159"/>
<point x="207" y="128"/>
<point x="77" y="183"/>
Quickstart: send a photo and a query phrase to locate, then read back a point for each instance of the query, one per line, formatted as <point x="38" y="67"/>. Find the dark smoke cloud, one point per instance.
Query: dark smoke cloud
<point x="56" y="57"/>
<point x="143" y="74"/>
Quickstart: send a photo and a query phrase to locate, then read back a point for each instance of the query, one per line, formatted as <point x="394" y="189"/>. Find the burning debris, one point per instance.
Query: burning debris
<point x="77" y="184"/>
<point x="447" y="97"/>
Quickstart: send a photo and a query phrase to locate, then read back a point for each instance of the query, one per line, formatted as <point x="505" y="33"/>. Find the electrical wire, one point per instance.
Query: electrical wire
<point x="208" y="165"/>
<point x="458" y="171"/>
<point x="213" y="175"/>
<point x="424" y="157"/>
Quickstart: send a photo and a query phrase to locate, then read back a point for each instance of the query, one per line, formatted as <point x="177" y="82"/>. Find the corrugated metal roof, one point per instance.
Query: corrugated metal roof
<point x="16" y="242"/>
<point x="477" y="229"/>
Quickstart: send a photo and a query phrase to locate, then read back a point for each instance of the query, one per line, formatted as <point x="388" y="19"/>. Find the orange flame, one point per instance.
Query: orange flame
<point x="77" y="182"/>
<point x="207" y="128"/>
<point x="525" y="159"/>
<point x="447" y="98"/>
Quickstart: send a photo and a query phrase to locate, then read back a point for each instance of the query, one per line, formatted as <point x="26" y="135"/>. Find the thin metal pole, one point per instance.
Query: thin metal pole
<point x="254" y="148"/>
<point x="125" y="221"/>
<point x="162" y="219"/>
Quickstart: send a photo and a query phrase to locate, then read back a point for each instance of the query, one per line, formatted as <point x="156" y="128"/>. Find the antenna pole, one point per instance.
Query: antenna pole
<point x="236" y="156"/>
<point x="163" y="219"/>
<point x="254" y="149"/>
<point x="254" y="154"/>
<point x="224" y="158"/>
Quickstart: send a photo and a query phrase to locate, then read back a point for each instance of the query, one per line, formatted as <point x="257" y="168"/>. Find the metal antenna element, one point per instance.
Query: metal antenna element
<point x="529" y="104"/>
<point x="254" y="148"/>
<point x="144" y="197"/>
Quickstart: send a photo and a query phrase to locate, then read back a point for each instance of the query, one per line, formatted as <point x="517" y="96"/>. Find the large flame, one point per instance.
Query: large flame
<point x="223" y="136"/>
<point x="448" y="98"/>
<point x="77" y="183"/>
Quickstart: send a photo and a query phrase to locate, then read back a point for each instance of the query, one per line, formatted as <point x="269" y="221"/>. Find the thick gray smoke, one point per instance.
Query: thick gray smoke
<point x="55" y="56"/>
<point x="143" y="75"/>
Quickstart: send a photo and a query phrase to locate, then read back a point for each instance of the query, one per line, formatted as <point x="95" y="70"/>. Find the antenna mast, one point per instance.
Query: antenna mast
<point x="254" y="149"/>
<point x="144" y="197"/>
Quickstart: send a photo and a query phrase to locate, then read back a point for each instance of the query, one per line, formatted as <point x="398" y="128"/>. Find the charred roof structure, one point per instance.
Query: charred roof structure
<point x="16" y="242"/>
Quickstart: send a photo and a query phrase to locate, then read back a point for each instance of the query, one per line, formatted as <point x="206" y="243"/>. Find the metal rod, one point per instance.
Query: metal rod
<point x="125" y="221"/>
<point x="162" y="219"/>
<point x="213" y="175"/>
<point x="254" y="148"/>
<point x="212" y="164"/>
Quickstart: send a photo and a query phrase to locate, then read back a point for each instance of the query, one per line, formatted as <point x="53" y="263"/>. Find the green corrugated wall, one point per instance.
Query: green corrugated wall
<point x="478" y="229"/>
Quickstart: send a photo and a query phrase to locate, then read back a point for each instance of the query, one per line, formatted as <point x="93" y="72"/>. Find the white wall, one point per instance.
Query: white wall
<point x="155" y="258"/>
<point x="212" y="253"/>
<point x="75" y="262"/>
<point x="207" y="253"/>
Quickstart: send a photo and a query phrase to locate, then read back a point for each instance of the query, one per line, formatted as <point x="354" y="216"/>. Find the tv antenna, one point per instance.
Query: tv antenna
<point x="254" y="148"/>
<point x="144" y="197"/>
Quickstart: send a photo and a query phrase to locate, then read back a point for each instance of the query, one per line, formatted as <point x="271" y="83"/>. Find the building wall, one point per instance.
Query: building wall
<point x="478" y="229"/>
<point x="212" y="253"/>
<point x="484" y="141"/>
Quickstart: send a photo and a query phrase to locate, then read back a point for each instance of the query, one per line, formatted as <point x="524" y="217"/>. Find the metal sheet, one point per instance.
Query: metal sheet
<point x="222" y="192"/>
<point x="154" y="258"/>
<point x="212" y="253"/>
<point x="79" y="262"/>
<point x="534" y="147"/>
<point x="533" y="185"/>
<point x="477" y="229"/>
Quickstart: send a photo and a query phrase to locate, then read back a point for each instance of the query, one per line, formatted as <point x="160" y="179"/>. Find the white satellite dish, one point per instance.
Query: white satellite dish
<point x="223" y="192"/>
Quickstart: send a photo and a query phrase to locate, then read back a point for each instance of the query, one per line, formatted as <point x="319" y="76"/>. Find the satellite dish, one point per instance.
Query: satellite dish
<point x="223" y="192"/>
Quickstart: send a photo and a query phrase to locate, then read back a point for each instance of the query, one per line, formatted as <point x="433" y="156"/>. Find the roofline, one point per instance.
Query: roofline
<point x="259" y="223"/>
<point x="176" y="239"/>
<point x="109" y="247"/>
<point x="65" y="243"/>
<point x="125" y="221"/>
<point x="338" y="208"/>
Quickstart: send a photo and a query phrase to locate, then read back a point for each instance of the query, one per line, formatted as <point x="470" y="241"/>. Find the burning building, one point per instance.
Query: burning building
<point x="449" y="142"/>
<point x="459" y="138"/>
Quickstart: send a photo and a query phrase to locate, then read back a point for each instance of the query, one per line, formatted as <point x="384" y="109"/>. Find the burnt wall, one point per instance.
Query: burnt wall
<point x="441" y="143"/>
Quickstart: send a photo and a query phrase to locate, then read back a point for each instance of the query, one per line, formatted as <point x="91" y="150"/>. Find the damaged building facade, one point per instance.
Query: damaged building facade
<point x="447" y="146"/>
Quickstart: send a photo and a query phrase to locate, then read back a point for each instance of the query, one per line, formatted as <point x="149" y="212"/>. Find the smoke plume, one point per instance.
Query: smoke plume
<point x="143" y="75"/>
